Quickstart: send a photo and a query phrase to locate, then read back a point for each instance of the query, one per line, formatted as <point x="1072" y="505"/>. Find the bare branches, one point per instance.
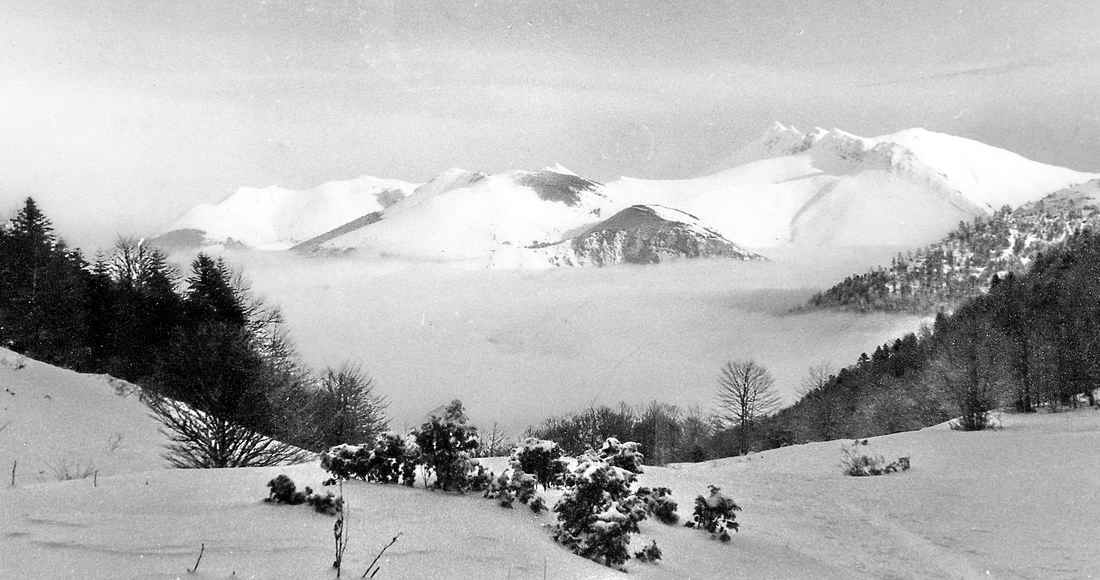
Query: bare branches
<point x="340" y="532"/>
<point x="817" y="376"/>
<point x="202" y="549"/>
<point x="203" y="440"/>
<point x="373" y="569"/>
<point x="746" y="392"/>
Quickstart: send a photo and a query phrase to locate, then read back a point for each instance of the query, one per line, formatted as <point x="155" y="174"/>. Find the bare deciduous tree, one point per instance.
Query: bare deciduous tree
<point x="203" y="440"/>
<point x="746" y="392"/>
<point x="817" y="376"/>
<point x="347" y="409"/>
<point x="495" y="442"/>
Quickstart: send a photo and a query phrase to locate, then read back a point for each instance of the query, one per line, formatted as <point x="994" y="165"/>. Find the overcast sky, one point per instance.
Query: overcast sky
<point x="119" y="115"/>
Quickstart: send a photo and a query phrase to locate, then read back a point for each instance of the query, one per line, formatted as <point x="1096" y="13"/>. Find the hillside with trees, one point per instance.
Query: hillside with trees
<point x="214" y="362"/>
<point x="964" y="264"/>
<point x="1030" y="342"/>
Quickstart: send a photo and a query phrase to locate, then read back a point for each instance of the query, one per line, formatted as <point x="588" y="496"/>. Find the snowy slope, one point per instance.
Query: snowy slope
<point x="832" y="188"/>
<point x="1006" y="504"/>
<point x="466" y="216"/>
<point x="55" y="422"/>
<point x="275" y="218"/>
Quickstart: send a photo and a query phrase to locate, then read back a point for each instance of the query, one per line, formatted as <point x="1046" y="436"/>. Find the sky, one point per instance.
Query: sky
<point x="120" y="115"/>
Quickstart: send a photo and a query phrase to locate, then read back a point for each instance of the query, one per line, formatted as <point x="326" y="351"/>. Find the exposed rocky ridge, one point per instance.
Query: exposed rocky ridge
<point x="644" y="234"/>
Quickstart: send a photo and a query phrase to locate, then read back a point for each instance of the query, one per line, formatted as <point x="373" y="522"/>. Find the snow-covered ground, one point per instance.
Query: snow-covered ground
<point x="1013" y="503"/>
<point x="57" y="423"/>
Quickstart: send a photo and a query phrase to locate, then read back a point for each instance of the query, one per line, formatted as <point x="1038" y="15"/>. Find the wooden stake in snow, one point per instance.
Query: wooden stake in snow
<point x="202" y="549"/>
<point x="13" y="464"/>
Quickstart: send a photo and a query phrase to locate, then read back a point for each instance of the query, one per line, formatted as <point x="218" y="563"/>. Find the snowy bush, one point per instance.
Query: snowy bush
<point x="715" y="513"/>
<point x="283" y="490"/>
<point x="598" y="512"/>
<point x="658" y="502"/>
<point x="650" y="554"/>
<point x="346" y="461"/>
<point x="624" y="455"/>
<point x="541" y="458"/>
<point x="445" y="445"/>
<point x="391" y="459"/>
<point x="324" y="503"/>
<point x="857" y="463"/>
<point x="512" y="485"/>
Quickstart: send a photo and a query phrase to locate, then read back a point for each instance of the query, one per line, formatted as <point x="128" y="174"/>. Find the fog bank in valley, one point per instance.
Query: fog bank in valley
<point x="517" y="346"/>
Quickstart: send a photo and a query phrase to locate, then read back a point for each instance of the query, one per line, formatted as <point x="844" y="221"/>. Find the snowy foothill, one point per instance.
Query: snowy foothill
<point x="1007" y="503"/>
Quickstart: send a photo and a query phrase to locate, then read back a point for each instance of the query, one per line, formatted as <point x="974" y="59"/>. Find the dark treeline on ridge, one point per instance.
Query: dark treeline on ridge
<point x="201" y="339"/>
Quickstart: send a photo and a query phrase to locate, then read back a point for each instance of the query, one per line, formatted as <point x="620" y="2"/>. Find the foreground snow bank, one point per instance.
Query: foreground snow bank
<point x="1013" y="503"/>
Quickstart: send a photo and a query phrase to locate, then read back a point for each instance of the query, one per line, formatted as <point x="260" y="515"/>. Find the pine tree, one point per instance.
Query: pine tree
<point x="210" y="293"/>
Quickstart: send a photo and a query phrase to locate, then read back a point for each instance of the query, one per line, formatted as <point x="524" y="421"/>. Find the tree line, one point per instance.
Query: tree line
<point x="215" y="362"/>
<point x="1030" y="342"/>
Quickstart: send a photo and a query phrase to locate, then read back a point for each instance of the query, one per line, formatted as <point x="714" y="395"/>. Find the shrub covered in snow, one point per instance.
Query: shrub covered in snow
<point x="445" y="444"/>
<point x="624" y="455"/>
<point x="858" y="463"/>
<point x="512" y="485"/>
<point x="347" y="461"/>
<point x="541" y="458"/>
<point x="326" y="503"/>
<point x="598" y="512"/>
<point x="658" y="502"/>
<point x="390" y="459"/>
<point x="650" y="554"/>
<point x="715" y="513"/>
<point x="283" y="490"/>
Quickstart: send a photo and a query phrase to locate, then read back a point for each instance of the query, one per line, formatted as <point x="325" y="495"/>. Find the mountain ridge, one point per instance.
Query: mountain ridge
<point x="822" y="188"/>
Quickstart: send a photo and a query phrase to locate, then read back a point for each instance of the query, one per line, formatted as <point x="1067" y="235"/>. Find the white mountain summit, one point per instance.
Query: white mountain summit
<point x="819" y="189"/>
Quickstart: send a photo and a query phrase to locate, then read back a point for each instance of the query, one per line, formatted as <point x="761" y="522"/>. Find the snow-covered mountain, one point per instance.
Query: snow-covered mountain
<point x="640" y="234"/>
<point x="462" y="215"/>
<point x="832" y="188"/>
<point x="822" y="189"/>
<point x="276" y="218"/>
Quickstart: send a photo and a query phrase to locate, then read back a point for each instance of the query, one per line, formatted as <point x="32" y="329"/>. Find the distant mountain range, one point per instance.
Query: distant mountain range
<point x="821" y="189"/>
<point x="962" y="265"/>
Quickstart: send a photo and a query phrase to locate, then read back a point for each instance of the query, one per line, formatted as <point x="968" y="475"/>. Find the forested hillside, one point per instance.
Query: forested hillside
<point x="963" y="265"/>
<point x="1032" y="340"/>
<point x="195" y="342"/>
